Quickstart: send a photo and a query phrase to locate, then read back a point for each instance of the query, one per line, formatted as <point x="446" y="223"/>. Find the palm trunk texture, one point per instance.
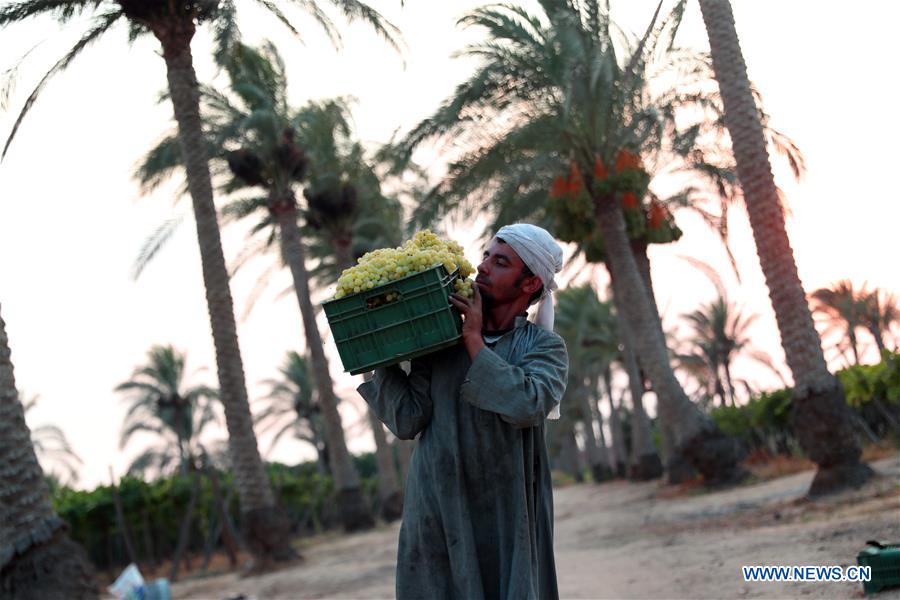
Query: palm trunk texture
<point x="695" y="436"/>
<point x="354" y="511"/>
<point x="266" y="528"/>
<point x="37" y="558"/>
<point x="644" y="463"/>
<point x="596" y="449"/>
<point x="677" y="468"/>
<point x="820" y="416"/>
<point x="620" y="456"/>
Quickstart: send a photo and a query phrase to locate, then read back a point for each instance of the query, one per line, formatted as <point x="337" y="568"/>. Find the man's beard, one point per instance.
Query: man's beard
<point x="487" y="304"/>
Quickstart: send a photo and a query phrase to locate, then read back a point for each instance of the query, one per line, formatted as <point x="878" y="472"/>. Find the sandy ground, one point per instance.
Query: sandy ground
<point x="627" y="540"/>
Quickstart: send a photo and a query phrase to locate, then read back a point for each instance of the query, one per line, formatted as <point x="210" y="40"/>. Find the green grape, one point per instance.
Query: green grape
<point x="424" y="251"/>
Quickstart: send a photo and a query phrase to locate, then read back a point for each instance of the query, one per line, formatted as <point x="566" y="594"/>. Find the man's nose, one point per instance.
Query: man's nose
<point x="483" y="268"/>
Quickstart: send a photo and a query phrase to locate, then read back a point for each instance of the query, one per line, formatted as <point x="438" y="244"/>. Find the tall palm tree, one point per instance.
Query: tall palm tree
<point x="291" y="407"/>
<point x="553" y="90"/>
<point x="843" y="308"/>
<point x="174" y="25"/>
<point x="52" y="447"/>
<point x="37" y="558"/>
<point x="821" y="417"/>
<point x="162" y="403"/>
<point x="260" y="142"/>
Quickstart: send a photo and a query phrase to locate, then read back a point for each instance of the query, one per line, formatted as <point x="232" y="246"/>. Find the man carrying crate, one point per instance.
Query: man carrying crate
<point x="478" y="509"/>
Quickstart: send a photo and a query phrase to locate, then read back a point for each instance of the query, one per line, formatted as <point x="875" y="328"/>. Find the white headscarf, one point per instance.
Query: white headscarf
<point x="540" y="253"/>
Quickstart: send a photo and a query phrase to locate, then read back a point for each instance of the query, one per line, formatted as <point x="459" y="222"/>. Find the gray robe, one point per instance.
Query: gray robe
<point x="478" y="509"/>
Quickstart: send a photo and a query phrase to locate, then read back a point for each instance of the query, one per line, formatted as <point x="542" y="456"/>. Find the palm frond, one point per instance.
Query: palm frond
<point x="354" y="10"/>
<point x="154" y="243"/>
<point x="102" y="24"/>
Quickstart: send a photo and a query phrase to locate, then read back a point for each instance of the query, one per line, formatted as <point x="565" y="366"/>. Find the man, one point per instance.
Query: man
<point x="478" y="509"/>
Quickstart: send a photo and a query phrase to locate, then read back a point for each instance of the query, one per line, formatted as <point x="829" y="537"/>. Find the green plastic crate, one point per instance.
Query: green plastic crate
<point x="370" y="332"/>
<point x="885" y="562"/>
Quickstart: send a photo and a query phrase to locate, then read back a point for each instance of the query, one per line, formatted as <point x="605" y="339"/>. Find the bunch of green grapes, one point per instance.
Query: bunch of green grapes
<point x="464" y="287"/>
<point x="424" y="251"/>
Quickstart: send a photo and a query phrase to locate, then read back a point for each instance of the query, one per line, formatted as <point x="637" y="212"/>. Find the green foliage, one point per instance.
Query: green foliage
<point x="763" y="422"/>
<point x="872" y="392"/>
<point x="864" y="384"/>
<point x="153" y="510"/>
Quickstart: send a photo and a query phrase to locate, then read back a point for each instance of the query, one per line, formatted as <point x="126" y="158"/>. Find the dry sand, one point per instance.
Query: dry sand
<point x="634" y="540"/>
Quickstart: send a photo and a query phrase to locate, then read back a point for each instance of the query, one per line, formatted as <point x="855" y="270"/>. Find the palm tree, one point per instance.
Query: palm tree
<point x="644" y="462"/>
<point x="52" y="447"/>
<point x="844" y="308"/>
<point x="291" y="407"/>
<point x="162" y="403"/>
<point x="552" y="91"/>
<point x="174" y="25"/>
<point x="821" y="419"/>
<point x="719" y="335"/>
<point x="259" y="141"/>
<point x="619" y="451"/>
<point x="37" y="558"/>
<point x="881" y="313"/>
<point x="586" y="325"/>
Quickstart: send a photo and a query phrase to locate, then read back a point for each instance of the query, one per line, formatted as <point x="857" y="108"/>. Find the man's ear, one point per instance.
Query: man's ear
<point x="532" y="284"/>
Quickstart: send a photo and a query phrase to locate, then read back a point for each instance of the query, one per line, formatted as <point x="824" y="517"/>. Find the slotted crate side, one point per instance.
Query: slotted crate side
<point x="885" y="564"/>
<point x="402" y="341"/>
<point x="420" y="322"/>
<point x="411" y="284"/>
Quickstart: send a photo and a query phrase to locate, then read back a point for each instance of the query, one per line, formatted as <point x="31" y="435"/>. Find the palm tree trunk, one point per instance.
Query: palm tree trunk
<point x="388" y="482"/>
<point x="597" y="455"/>
<point x="717" y="385"/>
<point x="149" y="549"/>
<point x="229" y="535"/>
<point x="879" y="339"/>
<point x="728" y="381"/>
<point x="696" y="437"/>
<point x="678" y="469"/>
<point x="854" y="345"/>
<point x="120" y="519"/>
<point x="615" y="427"/>
<point x="820" y="416"/>
<point x="180" y="434"/>
<point x="644" y="463"/>
<point x="596" y="398"/>
<point x="570" y="461"/>
<point x="352" y="506"/>
<point x="265" y="525"/>
<point x="184" y="533"/>
<point x="37" y="558"/>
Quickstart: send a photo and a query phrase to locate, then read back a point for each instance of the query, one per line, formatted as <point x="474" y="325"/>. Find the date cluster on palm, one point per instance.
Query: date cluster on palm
<point x="424" y="251"/>
<point x="572" y="205"/>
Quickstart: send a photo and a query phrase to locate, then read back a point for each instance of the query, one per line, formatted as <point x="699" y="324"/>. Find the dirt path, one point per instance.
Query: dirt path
<point x="625" y="540"/>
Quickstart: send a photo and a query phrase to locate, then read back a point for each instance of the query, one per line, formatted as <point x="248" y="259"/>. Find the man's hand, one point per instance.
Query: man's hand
<point x="473" y="320"/>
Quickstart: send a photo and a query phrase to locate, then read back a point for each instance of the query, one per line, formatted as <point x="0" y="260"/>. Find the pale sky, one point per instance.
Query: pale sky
<point x="72" y="221"/>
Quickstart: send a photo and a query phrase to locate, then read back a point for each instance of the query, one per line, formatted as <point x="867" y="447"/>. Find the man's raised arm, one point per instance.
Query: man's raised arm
<point x="522" y="394"/>
<point x="401" y="401"/>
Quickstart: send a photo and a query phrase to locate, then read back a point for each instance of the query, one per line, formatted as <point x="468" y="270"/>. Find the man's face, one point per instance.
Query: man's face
<point x="500" y="277"/>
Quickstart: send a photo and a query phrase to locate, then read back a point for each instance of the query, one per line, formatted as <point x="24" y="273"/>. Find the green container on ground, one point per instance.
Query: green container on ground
<point x="885" y="562"/>
<point x="371" y="331"/>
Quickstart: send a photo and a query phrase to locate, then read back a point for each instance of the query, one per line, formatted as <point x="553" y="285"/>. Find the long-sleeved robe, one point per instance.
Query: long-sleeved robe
<point x="478" y="509"/>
